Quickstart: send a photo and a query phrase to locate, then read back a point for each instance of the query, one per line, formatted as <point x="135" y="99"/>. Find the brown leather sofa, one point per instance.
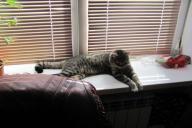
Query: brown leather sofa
<point x="51" y="100"/>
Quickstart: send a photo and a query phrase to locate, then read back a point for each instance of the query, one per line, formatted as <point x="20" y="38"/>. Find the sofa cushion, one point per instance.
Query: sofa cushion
<point x="50" y="99"/>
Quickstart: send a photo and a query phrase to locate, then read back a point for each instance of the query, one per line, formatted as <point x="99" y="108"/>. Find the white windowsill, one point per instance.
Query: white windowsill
<point x="150" y="73"/>
<point x="153" y="76"/>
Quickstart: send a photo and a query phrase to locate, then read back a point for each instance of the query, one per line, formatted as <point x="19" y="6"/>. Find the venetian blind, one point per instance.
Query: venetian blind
<point x="138" y="26"/>
<point x="43" y="31"/>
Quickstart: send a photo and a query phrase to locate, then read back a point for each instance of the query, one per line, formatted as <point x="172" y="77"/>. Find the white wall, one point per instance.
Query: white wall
<point x="187" y="34"/>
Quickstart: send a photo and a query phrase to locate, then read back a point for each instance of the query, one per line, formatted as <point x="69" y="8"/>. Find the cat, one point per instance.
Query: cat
<point x="115" y="63"/>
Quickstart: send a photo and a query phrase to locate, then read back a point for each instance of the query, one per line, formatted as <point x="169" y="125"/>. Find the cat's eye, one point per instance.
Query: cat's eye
<point x="119" y="63"/>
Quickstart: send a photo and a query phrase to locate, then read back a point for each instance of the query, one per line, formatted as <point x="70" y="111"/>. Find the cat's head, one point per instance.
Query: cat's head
<point x="119" y="57"/>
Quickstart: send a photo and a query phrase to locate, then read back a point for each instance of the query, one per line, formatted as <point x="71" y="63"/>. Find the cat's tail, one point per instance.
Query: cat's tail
<point x="48" y="65"/>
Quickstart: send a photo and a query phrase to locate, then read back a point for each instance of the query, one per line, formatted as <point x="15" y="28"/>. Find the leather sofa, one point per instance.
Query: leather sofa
<point x="51" y="100"/>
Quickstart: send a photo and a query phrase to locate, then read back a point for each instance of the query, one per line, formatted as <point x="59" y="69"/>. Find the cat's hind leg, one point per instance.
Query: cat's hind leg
<point x="74" y="77"/>
<point x="78" y="77"/>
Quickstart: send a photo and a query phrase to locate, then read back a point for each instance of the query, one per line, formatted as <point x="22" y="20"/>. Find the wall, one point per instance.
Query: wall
<point x="187" y="33"/>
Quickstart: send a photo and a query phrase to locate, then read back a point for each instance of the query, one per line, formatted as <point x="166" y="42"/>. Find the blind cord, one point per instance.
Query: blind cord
<point x="106" y="32"/>
<point x="160" y="26"/>
<point x="52" y="33"/>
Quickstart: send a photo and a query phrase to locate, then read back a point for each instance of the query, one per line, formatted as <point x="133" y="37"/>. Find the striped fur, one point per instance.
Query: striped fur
<point x="82" y="66"/>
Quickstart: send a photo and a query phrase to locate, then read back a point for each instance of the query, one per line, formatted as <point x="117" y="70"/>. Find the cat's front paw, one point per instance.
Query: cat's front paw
<point x="139" y="86"/>
<point x="38" y="68"/>
<point x="134" y="89"/>
<point x="133" y="86"/>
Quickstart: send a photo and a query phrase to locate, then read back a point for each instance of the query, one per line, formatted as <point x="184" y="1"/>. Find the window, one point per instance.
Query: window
<point x="138" y="26"/>
<point x="43" y="32"/>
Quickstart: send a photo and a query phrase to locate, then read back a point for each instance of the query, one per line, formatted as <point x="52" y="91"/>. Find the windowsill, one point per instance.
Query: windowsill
<point x="154" y="76"/>
<point x="150" y="73"/>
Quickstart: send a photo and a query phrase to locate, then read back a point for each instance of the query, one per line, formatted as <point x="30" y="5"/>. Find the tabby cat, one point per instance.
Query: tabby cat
<point x="115" y="63"/>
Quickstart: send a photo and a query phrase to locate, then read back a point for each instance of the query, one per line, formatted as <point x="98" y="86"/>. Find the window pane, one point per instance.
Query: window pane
<point x="43" y="31"/>
<point x="138" y="26"/>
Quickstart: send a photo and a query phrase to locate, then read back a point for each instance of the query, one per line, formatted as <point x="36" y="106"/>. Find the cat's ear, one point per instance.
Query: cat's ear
<point x="114" y="54"/>
<point x="126" y="52"/>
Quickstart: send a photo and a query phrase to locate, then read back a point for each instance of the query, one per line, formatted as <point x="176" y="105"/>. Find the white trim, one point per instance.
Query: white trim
<point x="180" y="24"/>
<point x="83" y="26"/>
<point x="160" y="26"/>
<point x="75" y="27"/>
<point x="107" y="26"/>
<point x="52" y="32"/>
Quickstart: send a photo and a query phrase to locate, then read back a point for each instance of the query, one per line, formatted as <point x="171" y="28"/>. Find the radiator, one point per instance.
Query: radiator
<point x="145" y="111"/>
<point x="128" y="111"/>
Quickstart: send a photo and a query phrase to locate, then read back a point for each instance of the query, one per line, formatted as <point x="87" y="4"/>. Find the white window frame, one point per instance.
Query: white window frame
<point x="79" y="26"/>
<point x="187" y="33"/>
<point x="180" y="25"/>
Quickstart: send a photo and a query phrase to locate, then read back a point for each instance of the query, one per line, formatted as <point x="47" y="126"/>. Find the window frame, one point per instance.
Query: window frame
<point x="80" y="26"/>
<point x="180" y="25"/>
